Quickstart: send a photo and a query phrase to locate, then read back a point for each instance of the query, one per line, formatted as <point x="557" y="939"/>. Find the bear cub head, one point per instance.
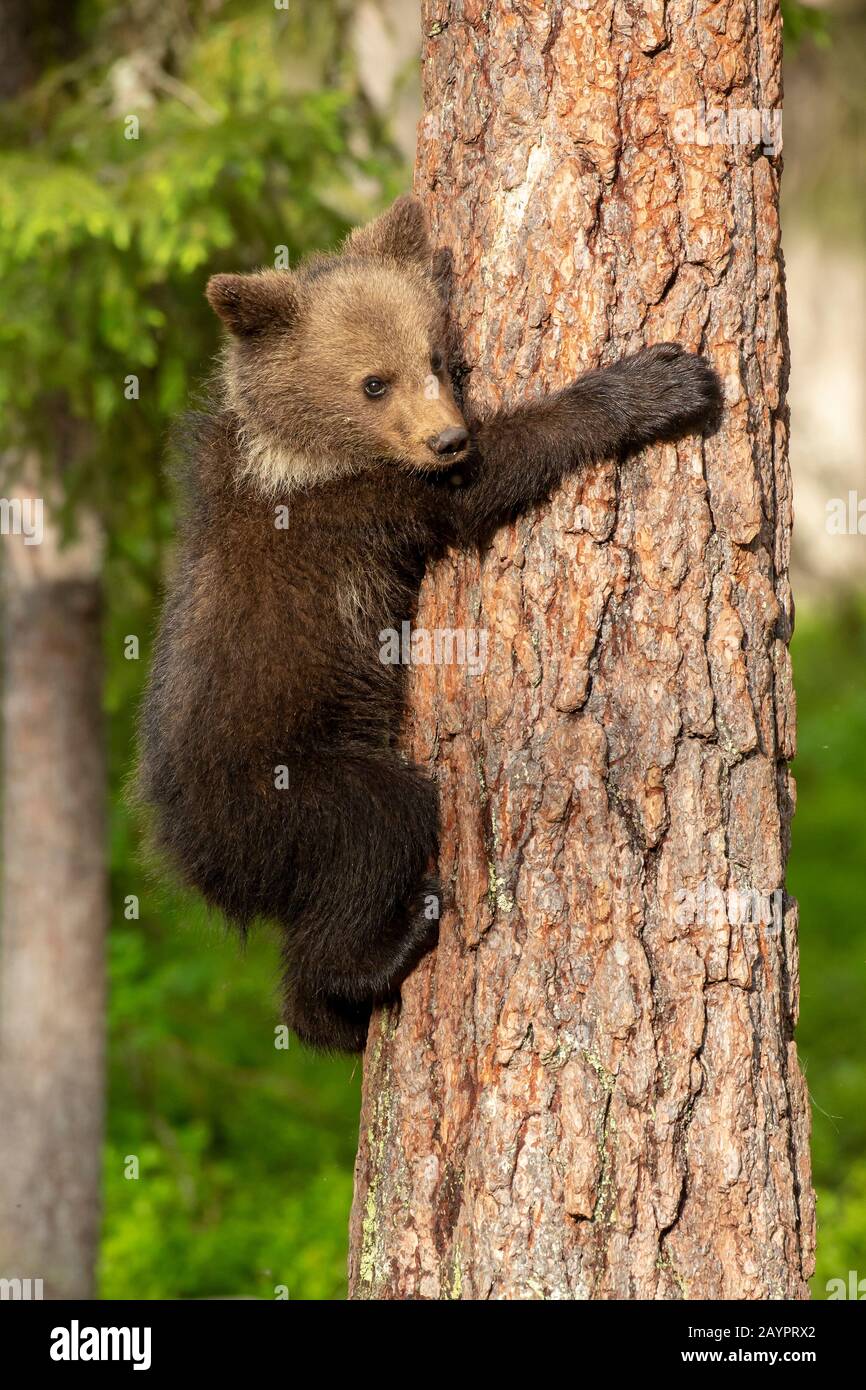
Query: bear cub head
<point x="341" y="364"/>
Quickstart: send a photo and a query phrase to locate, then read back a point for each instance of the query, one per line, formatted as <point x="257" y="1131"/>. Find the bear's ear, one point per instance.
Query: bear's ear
<point x="400" y="234"/>
<point x="251" y="304"/>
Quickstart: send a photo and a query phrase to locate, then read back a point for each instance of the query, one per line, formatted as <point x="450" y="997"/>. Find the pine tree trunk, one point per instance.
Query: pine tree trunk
<point x="52" y="1006"/>
<point x="591" y="1090"/>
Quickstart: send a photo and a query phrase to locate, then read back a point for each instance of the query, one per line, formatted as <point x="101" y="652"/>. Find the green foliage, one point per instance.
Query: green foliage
<point x="245" y="1152"/>
<point x="826" y="875"/>
<point x="106" y="241"/>
<point x="804" y="22"/>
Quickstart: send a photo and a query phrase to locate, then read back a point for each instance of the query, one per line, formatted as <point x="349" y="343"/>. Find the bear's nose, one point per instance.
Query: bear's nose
<point x="450" y="441"/>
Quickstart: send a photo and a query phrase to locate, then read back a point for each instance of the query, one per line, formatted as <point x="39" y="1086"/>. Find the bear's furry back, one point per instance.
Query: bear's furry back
<point x="266" y="689"/>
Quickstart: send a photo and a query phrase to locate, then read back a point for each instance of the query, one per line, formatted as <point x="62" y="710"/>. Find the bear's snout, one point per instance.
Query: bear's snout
<point x="449" y="442"/>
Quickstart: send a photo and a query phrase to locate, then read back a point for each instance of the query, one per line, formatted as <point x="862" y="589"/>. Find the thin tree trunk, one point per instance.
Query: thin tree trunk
<point x="52" y="1011"/>
<point x="592" y="1089"/>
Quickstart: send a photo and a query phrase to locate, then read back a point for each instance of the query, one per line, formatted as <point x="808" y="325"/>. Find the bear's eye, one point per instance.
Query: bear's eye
<point x="436" y="363"/>
<point x="374" y="386"/>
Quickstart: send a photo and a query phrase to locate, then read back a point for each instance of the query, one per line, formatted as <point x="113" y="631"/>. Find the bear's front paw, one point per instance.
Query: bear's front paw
<point x="670" y="392"/>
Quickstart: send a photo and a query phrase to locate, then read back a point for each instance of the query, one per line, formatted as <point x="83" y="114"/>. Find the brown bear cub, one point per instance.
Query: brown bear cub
<point x="327" y="477"/>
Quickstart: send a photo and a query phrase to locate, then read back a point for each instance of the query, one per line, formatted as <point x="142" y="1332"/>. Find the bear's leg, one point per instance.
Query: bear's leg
<point x="322" y="1021"/>
<point x="365" y="906"/>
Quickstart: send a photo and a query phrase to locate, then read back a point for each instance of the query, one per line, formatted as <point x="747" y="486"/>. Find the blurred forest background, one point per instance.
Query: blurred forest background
<point x="259" y="127"/>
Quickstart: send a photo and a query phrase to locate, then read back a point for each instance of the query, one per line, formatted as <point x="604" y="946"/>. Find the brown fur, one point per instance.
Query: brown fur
<point x="312" y="512"/>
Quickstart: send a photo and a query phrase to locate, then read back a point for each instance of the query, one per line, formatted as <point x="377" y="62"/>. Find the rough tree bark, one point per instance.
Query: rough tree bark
<point x="52" y="989"/>
<point x="592" y="1089"/>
